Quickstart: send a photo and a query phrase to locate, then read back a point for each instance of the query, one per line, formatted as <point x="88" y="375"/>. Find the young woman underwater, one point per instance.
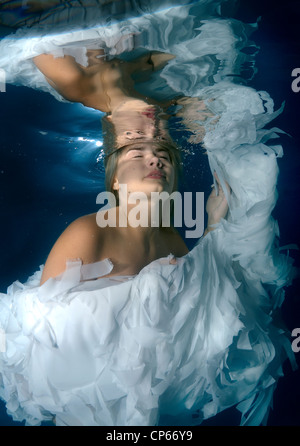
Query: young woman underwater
<point x="140" y="155"/>
<point x="123" y="325"/>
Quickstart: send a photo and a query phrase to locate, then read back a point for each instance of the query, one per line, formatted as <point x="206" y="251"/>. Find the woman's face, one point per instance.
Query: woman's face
<point x="145" y="167"/>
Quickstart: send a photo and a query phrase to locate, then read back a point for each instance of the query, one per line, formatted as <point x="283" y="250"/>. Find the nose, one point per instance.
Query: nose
<point x="155" y="161"/>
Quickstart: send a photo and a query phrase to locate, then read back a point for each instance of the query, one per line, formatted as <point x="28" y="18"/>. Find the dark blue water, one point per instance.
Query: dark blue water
<point x="48" y="179"/>
<point x="279" y="43"/>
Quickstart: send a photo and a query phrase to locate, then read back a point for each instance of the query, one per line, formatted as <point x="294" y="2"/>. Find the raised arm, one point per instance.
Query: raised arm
<point x="102" y="82"/>
<point x="92" y="85"/>
<point x="65" y="75"/>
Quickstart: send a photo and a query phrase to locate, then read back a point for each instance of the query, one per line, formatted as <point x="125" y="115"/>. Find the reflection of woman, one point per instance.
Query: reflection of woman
<point x="102" y="85"/>
<point x="145" y="338"/>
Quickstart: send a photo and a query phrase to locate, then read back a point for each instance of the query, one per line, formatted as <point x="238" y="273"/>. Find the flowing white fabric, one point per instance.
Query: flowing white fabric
<point x="175" y="344"/>
<point x="207" y="47"/>
<point x="172" y="345"/>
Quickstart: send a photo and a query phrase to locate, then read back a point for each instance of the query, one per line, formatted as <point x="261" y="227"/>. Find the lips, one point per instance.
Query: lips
<point x="149" y="113"/>
<point x="155" y="174"/>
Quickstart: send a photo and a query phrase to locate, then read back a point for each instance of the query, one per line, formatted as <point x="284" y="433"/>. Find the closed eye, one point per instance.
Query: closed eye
<point x="135" y="153"/>
<point x="164" y="155"/>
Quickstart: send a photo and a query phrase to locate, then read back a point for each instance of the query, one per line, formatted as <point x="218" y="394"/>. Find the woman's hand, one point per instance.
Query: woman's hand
<point x="216" y="206"/>
<point x="194" y="113"/>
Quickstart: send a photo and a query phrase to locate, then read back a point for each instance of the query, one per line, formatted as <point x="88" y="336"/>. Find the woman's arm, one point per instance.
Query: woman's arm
<point x="65" y="75"/>
<point x="88" y="85"/>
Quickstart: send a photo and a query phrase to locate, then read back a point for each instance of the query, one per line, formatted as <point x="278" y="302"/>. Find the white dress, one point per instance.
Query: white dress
<point x="170" y="346"/>
<point x="207" y="47"/>
<point x="174" y="344"/>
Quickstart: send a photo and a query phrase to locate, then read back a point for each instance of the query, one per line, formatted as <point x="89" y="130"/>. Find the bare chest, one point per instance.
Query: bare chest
<point x="129" y="257"/>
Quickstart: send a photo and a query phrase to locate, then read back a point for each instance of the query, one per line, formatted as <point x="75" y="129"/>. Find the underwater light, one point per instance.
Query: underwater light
<point x="98" y="143"/>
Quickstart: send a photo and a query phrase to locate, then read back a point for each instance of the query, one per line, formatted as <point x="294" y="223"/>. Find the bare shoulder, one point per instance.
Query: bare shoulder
<point x="85" y="222"/>
<point x="84" y="230"/>
<point x="80" y="240"/>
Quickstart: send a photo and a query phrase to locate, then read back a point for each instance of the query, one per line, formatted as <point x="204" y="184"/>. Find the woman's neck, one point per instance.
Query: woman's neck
<point x="141" y="221"/>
